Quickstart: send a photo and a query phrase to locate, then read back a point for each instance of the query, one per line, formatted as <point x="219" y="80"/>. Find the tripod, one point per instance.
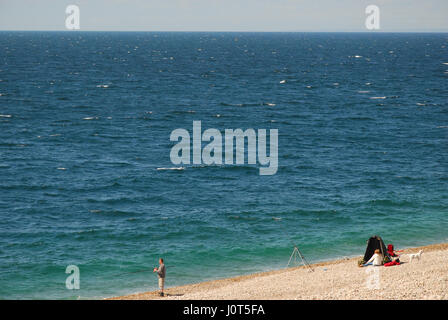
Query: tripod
<point x="296" y="253"/>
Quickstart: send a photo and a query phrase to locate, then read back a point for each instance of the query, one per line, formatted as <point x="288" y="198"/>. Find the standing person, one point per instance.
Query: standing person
<point x="161" y="272"/>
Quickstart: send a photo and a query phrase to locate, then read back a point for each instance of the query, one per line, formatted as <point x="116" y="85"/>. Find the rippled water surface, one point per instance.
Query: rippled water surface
<point x="85" y="121"/>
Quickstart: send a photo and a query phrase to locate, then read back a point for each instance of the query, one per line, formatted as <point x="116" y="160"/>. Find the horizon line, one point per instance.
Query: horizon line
<point x="220" y="31"/>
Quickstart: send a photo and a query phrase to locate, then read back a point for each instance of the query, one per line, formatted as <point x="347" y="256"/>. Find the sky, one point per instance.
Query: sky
<point x="226" y="15"/>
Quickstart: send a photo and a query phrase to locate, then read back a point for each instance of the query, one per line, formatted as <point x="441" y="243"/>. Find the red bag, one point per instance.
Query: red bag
<point x="392" y="263"/>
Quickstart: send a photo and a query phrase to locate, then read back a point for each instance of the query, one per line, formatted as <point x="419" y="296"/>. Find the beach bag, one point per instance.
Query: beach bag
<point x="392" y="263"/>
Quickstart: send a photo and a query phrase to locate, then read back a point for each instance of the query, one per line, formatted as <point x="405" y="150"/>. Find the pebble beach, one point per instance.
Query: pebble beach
<point x="426" y="278"/>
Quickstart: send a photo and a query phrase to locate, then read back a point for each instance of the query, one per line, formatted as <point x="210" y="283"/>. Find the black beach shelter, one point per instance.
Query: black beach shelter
<point x="374" y="243"/>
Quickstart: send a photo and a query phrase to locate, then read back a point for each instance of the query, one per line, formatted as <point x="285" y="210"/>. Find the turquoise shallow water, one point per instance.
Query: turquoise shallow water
<point x="102" y="106"/>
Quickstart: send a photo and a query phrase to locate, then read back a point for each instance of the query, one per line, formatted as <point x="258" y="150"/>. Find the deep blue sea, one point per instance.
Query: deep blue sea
<point x="85" y="122"/>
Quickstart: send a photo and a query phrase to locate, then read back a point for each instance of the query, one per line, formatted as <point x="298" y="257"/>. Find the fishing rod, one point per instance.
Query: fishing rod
<point x="138" y="271"/>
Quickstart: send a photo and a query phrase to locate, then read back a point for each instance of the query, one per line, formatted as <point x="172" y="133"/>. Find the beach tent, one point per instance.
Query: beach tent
<point x="374" y="243"/>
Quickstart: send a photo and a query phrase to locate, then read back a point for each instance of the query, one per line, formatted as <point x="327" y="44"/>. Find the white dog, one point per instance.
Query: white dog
<point x="415" y="256"/>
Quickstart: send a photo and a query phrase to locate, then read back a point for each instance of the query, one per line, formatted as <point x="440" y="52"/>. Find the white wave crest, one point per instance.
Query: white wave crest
<point x="173" y="168"/>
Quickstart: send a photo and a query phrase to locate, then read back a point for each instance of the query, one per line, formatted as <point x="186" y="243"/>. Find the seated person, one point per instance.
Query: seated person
<point x="376" y="260"/>
<point x="391" y="251"/>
